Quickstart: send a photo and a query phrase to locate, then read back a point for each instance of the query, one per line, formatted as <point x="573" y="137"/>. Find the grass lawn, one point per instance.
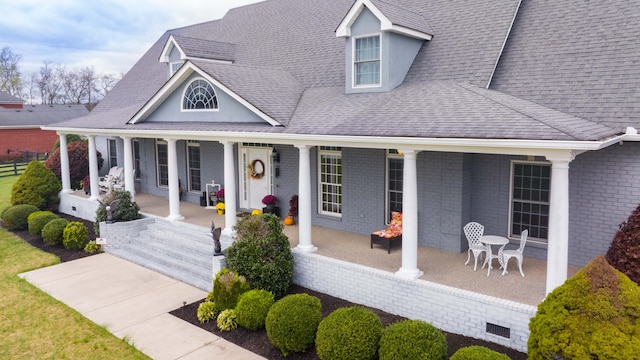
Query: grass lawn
<point x="33" y="325"/>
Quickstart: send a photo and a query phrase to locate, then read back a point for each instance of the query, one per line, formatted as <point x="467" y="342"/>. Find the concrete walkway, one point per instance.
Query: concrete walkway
<point x="133" y="302"/>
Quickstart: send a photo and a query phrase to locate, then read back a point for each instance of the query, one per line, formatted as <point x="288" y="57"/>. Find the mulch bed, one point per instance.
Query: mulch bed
<point x="257" y="341"/>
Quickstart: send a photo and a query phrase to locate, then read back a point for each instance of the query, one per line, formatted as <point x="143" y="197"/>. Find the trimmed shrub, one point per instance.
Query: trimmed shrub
<point x="349" y="333"/>
<point x="624" y="251"/>
<point x="75" y="236"/>
<point x="595" y="314"/>
<point x="53" y="232"/>
<point x="78" y="162"/>
<point x="262" y="253"/>
<point x="227" y="320"/>
<point x="227" y="287"/>
<point x="93" y="247"/>
<point x="16" y="217"/>
<point x="292" y="322"/>
<point x="37" y="186"/>
<point x="37" y="213"/>
<point x="207" y="311"/>
<point x="476" y="352"/>
<point x="412" y="339"/>
<point x="252" y="308"/>
<point x="125" y="211"/>
<point x="38" y="222"/>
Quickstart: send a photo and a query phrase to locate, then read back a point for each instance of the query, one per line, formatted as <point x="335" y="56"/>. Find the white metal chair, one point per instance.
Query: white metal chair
<point x="508" y="254"/>
<point x="473" y="231"/>
<point x="114" y="177"/>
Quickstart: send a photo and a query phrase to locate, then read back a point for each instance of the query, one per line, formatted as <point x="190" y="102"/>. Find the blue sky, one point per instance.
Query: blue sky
<point x="110" y="35"/>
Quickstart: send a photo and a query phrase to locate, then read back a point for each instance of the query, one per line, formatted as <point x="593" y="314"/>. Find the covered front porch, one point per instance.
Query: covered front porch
<point x="441" y="267"/>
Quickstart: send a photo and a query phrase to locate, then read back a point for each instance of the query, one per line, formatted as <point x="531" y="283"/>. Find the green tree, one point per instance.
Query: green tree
<point x="36" y="186"/>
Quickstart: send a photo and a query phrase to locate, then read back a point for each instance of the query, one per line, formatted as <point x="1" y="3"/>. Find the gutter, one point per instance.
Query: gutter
<point x="504" y="43"/>
<point x="486" y="146"/>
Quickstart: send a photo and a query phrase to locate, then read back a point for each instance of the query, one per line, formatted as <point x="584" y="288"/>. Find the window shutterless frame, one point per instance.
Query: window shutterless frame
<point x="193" y="165"/>
<point x="330" y="181"/>
<point x="367" y="61"/>
<point x="162" y="163"/>
<point x="529" y="199"/>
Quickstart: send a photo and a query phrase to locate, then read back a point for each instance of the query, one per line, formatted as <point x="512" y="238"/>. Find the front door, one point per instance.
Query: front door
<point x="255" y="176"/>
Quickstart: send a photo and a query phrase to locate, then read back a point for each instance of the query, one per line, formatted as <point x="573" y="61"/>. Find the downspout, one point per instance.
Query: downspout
<point x="504" y="43"/>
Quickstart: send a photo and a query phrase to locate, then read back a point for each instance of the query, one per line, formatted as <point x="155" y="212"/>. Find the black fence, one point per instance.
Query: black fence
<point x="16" y="167"/>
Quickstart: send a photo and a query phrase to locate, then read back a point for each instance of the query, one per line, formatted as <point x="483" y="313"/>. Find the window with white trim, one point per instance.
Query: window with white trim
<point x="530" y="188"/>
<point x="330" y="181"/>
<point x="395" y="167"/>
<point x="193" y="164"/>
<point x="174" y="66"/>
<point x="162" y="163"/>
<point x="199" y="95"/>
<point x="366" y="60"/>
<point x="136" y="159"/>
<point x="113" y="153"/>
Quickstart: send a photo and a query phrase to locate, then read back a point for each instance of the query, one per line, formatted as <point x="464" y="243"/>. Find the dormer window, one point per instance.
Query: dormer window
<point x="366" y="64"/>
<point x="199" y="95"/>
<point x="174" y="66"/>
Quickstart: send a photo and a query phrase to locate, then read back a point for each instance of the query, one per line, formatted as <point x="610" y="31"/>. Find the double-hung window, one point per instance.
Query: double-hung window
<point x="530" y="190"/>
<point x="395" y="166"/>
<point x="162" y="162"/>
<point x="366" y="61"/>
<point x="136" y="158"/>
<point x="193" y="162"/>
<point x="330" y="181"/>
<point x="113" y="153"/>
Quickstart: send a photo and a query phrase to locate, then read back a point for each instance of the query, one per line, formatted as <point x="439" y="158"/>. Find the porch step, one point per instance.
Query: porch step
<point x="180" y="251"/>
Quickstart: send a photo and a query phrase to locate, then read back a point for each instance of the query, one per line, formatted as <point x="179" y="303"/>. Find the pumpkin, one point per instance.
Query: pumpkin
<point x="288" y="220"/>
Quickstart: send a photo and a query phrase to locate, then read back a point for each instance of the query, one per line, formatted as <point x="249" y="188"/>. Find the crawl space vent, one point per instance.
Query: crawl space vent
<point x="498" y="330"/>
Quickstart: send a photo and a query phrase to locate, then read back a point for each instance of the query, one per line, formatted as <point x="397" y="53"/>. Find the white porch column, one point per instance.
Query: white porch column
<point x="64" y="164"/>
<point x="230" y="191"/>
<point x="93" y="169"/>
<point x="304" y="200"/>
<point x="409" y="269"/>
<point x="174" y="192"/>
<point x="129" y="183"/>
<point x="558" y="242"/>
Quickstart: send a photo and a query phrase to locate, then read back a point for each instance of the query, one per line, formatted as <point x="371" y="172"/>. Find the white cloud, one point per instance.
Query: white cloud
<point x="110" y="35"/>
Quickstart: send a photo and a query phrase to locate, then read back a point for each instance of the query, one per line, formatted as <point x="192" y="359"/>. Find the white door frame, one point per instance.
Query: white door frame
<point x="252" y="189"/>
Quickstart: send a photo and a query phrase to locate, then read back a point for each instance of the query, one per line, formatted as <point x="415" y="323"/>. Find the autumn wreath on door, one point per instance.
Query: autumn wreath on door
<point x="256" y="169"/>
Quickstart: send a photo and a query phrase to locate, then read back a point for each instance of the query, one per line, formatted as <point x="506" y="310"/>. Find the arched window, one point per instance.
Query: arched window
<point x="199" y="95"/>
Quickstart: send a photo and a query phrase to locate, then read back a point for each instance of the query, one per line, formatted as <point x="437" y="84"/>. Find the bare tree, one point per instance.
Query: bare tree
<point x="10" y="81"/>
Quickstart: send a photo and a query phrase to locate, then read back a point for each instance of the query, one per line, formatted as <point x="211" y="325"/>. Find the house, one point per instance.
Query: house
<point x="515" y="114"/>
<point x="20" y="124"/>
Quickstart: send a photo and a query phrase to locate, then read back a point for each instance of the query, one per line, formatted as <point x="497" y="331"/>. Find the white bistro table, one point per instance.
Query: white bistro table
<point x="490" y="240"/>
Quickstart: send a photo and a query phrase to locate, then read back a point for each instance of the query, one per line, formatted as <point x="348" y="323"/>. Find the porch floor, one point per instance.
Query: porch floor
<point x="439" y="266"/>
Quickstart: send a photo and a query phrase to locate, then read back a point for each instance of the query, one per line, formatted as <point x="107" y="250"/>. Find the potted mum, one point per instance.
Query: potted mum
<point x="220" y="208"/>
<point x="220" y="195"/>
<point x="269" y="201"/>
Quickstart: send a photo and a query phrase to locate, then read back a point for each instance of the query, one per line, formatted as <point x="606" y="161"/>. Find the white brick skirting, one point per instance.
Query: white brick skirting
<point x="450" y="309"/>
<point x="77" y="206"/>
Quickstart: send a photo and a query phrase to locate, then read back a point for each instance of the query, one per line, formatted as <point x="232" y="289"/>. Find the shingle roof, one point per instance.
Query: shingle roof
<point x="403" y="16"/>
<point x="6" y="98"/>
<point x="205" y="49"/>
<point x="445" y="110"/>
<point x="36" y="115"/>
<point x="291" y="46"/>
<point x="580" y="57"/>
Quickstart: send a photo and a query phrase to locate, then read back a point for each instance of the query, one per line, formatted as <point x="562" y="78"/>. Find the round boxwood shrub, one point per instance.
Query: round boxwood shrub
<point x="93" y="247"/>
<point x="227" y="287"/>
<point x="37" y="186"/>
<point x="75" y="236"/>
<point x="593" y="315"/>
<point x="38" y="222"/>
<point x="252" y="308"/>
<point x="227" y="320"/>
<point x="37" y="213"/>
<point x="53" y="231"/>
<point x="262" y="253"/>
<point x="207" y="311"/>
<point x="476" y="352"/>
<point x="292" y="322"/>
<point x="349" y="333"/>
<point x="16" y="217"/>
<point x="412" y="339"/>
